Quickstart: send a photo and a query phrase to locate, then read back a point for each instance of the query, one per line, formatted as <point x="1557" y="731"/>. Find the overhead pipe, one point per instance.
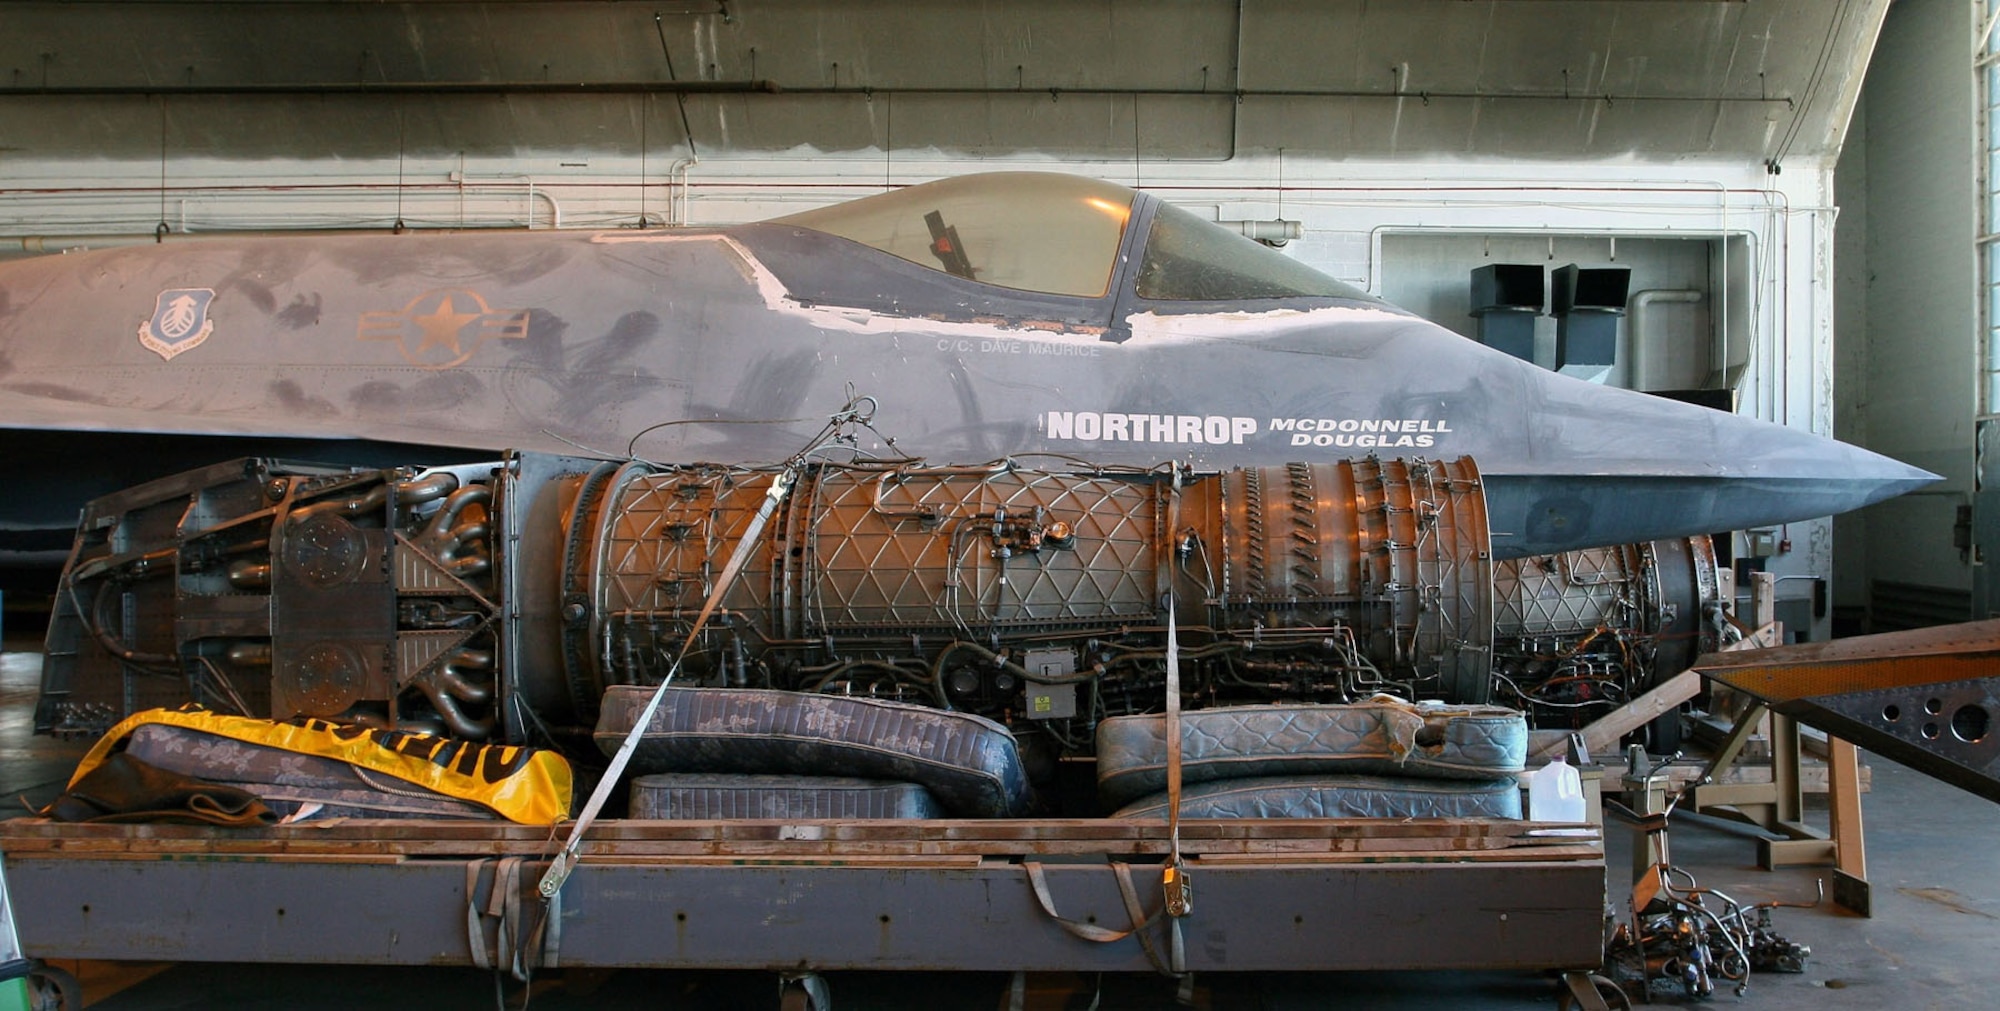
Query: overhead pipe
<point x="41" y="245"/>
<point x="56" y="245"/>
<point x="1275" y="230"/>
<point x="677" y="208"/>
<point x="465" y="181"/>
<point x="769" y="87"/>
<point x="403" y="88"/>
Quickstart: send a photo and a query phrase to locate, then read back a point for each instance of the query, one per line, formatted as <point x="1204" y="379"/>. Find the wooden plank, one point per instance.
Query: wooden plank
<point x="260" y="858"/>
<point x="760" y="849"/>
<point x="1844" y="808"/>
<point x="774" y="840"/>
<point x="1549" y="854"/>
<point x="1746" y="723"/>
<point x="1769" y="633"/>
<point x="1603" y="734"/>
<point x="1775" y="853"/>
<point x="1812" y="775"/>
<point x="1732" y="794"/>
<point x="479" y="835"/>
<point x="1714" y="730"/>
<point x="1763" y="599"/>
<point x="904" y="862"/>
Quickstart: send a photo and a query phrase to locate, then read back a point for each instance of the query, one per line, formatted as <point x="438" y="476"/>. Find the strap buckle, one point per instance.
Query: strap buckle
<point x="1177" y="889"/>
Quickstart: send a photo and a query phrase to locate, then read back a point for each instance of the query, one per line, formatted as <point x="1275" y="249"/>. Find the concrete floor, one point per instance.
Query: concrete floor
<point x="1934" y="942"/>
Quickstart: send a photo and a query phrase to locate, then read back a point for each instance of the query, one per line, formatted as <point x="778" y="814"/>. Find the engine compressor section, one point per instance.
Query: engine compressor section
<point x="499" y="601"/>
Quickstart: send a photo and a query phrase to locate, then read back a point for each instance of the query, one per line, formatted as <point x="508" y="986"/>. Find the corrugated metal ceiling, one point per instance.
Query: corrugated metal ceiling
<point x="1182" y="79"/>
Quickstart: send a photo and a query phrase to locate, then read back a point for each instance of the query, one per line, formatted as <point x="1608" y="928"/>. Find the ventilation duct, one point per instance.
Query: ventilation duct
<point x="1588" y="303"/>
<point x="1506" y="300"/>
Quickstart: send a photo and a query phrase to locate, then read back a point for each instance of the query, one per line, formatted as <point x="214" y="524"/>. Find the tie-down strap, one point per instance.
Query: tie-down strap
<point x="1122" y="874"/>
<point x="516" y="945"/>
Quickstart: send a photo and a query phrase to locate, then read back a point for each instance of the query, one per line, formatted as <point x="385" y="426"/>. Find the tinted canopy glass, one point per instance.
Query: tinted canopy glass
<point x="1034" y="231"/>
<point x="1191" y="259"/>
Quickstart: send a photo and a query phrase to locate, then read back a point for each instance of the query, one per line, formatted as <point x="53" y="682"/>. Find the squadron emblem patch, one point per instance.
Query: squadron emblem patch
<point x="180" y="321"/>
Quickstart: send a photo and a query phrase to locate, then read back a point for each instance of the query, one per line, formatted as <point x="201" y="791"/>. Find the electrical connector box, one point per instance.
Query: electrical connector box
<point x="1051" y="702"/>
<point x="1760" y="543"/>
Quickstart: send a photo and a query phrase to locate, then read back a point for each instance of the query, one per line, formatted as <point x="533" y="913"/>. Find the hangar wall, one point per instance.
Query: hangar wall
<point x="1909" y="293"/>
<point x="1851" y="352"/>
<point x="1187" y="80"/>
<point x="1425" y="272"/>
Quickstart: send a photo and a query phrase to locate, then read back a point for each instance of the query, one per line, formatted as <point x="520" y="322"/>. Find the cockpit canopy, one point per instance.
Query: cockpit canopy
<point x="1061" y="235"/>
<point x="1034" y="231"/>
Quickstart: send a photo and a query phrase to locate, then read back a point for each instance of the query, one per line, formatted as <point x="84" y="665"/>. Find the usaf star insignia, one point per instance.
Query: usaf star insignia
<point x="441" y="329"/>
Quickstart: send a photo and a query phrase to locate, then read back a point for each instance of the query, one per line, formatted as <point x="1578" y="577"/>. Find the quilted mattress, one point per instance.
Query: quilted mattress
<point x="968" y="763"/>
<point x="705" y="796"/>
<point x="293" y="785"/>
<point x="1382" y="736"/>
<point x="1338" y="796"/>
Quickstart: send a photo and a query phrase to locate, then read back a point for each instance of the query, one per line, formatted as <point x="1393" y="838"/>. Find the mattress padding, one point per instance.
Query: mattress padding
<point x="1382" y="736"/>
<point x="295" y="785"/>
<point x="969" y="763"/>
<point x="718" y="796"/>
<point x="1338" y="796"/>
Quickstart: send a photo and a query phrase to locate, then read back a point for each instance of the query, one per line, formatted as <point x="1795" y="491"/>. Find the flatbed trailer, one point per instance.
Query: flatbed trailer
<point x="508" y="602"/>
<point x="791" y="896"/>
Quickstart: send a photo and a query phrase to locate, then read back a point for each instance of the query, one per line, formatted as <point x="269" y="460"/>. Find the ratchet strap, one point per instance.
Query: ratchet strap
<point x="1175" y="888"/>
<point x="565" y="860"/>
<point x="1122" y="874"/>
<point x="1174" y="884"/>
<point x="516" y="947"/>
<point x="1176" y="893"/>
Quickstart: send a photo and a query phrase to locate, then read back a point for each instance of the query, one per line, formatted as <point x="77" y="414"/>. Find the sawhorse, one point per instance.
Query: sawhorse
<point x="1778" y="807"/>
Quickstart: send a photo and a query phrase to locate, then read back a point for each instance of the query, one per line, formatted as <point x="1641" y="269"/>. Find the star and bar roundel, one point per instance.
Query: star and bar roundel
<point x="443" y="327"/>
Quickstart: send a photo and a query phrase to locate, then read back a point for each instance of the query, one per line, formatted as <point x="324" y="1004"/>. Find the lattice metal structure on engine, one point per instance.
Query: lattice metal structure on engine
<point x="1580" y="633"/>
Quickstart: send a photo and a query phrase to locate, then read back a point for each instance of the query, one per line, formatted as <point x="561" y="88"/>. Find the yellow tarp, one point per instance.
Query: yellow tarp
<point x="526" y="785"/>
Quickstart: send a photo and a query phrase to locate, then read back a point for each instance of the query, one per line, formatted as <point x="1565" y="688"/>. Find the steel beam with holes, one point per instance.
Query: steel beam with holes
<point x="1928" y="698"/>
<point x="977" y="915"/>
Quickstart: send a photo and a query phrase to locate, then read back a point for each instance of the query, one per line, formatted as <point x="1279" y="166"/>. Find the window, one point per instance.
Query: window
<point x="1190" y="259"/>
<point x="1034" y="231"/>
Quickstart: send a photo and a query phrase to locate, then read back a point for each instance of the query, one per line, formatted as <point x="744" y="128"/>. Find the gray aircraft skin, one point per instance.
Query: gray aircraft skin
<point x="1047" y="318"/>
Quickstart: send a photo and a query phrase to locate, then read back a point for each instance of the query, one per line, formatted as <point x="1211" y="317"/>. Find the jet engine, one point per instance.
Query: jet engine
<point x="1583" y="632"/>
<point x="498" y="601"/>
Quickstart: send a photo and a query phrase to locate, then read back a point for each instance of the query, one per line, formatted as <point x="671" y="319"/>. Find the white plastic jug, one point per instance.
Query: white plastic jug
<point x="1555" y="793"/>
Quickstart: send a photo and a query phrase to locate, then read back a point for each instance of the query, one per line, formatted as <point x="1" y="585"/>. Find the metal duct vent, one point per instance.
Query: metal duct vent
<point x="1506" y="300"/>
<point x="1588" y="303"/>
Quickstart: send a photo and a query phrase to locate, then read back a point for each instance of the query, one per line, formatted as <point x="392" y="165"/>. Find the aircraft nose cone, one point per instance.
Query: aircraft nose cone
<point x="1607" y="466"/>
<point x="1873" y="477"/>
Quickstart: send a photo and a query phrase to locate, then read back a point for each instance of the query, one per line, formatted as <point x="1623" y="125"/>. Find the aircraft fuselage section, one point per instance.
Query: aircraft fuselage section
<point x="733" y="345"/>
